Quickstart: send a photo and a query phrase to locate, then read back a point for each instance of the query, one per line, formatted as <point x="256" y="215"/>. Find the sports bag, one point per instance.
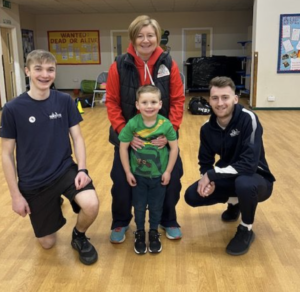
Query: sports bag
<point x="85" y="101"/>
<point x="87" y="86"/>
<point x="199" y="106"/>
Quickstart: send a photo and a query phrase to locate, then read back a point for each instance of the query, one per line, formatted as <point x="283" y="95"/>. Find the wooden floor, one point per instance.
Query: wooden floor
<point x="198" y="261"/>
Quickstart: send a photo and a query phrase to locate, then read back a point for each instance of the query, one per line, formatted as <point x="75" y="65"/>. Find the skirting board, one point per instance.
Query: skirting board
<point x="276" y="108"/>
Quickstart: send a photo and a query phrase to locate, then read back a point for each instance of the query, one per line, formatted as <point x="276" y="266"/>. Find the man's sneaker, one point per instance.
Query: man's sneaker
<point x="241" y="242"/>
<point x="140" y="242"/>
<point x="232" y="213"/>
<point x="118" y="234"/>
<point x="172" y="232"/>
<point x="154" y="241"/>
<point x="87" y="253"/>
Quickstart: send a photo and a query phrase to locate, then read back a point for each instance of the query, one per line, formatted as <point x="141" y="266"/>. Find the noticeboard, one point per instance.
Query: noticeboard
<point x="289" y="44"/>
<point x="80" y="47"/>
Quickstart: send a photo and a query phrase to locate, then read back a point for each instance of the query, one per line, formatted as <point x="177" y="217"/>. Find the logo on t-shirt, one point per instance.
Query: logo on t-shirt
<point x="32" y="119"/>
<point x="55" y="116"/>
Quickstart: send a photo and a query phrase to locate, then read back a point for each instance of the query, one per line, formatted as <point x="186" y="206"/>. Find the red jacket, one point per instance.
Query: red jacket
<point x="112" y="103"/>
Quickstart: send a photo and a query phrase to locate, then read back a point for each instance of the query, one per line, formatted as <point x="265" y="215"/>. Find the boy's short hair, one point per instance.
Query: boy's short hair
<point x="39" y="56"/>
<point x="140" y="22"/>
<point x="222" y="81"/>
<point x="148" y="89"/>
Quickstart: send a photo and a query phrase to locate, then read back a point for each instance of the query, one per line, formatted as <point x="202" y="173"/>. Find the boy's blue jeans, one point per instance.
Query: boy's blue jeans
<point x="148" y="191"/>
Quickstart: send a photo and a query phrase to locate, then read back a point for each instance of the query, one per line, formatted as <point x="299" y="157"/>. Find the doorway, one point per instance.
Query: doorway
<point x="119" y="42"/>
<point x="197" y="42"/>
<point x="8" y="62"/>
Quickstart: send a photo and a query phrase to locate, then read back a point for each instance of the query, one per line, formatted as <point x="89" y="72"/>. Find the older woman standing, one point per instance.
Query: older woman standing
<point x="144" y="63"/>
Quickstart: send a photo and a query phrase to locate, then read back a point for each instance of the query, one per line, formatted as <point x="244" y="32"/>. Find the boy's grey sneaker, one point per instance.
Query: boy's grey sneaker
<point x="87" y="253"/>
<point x="232" y="213"/>
<point x="154" y="241"/>
<point x="140" y="242"/>
<point x="241" y="242"/>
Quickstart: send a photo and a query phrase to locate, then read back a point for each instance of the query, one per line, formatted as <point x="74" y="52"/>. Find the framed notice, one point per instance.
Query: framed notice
<point x="289" y="44"/>
<point x="27" y="42"/>
<point x="75" y="47"/>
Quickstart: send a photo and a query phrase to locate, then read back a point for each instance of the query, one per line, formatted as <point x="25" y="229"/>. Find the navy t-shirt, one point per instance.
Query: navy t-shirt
<point x="41" y="130"/>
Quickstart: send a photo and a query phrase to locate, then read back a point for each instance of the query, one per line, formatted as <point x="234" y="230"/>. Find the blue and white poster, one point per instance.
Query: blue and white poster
<point x="289" y="44"/>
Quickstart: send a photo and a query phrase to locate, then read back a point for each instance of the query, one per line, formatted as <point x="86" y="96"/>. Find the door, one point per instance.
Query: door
<point x="8" y="63"/>
<point x="197" y="42"/>
<point x="120" y="42"/>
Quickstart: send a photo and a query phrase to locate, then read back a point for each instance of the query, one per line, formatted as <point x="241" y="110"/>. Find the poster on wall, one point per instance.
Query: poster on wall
<point x="27" y="42"/>
<point x="289" y="44"/>
<point x="75" y="47"/>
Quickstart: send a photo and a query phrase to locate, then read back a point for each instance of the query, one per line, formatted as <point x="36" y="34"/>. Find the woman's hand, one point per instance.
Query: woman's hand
<point x="137" y="143"/>
<point x="160" y="141"/>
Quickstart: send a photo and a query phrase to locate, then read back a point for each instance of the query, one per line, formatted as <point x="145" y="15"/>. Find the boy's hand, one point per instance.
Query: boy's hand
<point x="20" y="205"/>
<point x="131" y="179"/>
<point x="165" y="178"/>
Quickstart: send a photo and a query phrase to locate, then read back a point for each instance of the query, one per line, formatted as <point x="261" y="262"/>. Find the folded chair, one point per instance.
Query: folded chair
<point x="100" y="85"/>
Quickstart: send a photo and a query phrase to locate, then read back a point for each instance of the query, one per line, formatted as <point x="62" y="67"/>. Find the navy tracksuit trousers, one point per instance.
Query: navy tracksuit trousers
<point x="249" y="189"/>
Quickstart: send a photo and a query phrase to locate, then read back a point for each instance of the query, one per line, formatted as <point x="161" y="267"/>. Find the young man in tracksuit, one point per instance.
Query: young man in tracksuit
<point x="241" y="177"/>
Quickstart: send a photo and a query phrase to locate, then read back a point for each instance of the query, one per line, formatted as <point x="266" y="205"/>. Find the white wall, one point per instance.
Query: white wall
<point x="27" y="21"/>
<point x="285" y="87"/>
<point x="228" y="29"/>
<point x="12" y="16"/>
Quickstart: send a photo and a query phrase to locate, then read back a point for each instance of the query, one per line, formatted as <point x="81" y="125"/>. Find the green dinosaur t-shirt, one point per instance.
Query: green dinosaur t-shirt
<point x="148" y="161"/>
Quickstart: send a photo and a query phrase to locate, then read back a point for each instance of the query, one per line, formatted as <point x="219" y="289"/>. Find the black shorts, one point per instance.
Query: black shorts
<point x="45" y="205"/>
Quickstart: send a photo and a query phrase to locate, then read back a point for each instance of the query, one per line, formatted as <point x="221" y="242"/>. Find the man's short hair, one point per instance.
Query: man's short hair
<point x="140" y="22"/>
<point x="148" y="89"/>
<point x="39" y="56"/>
<point x="222" y="81"/>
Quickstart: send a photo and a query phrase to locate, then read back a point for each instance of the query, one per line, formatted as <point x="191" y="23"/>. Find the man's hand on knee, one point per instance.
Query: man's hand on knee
<point x="81" y="180"/>
<point x="20" y="205"/>
<point x="205" y="187"/>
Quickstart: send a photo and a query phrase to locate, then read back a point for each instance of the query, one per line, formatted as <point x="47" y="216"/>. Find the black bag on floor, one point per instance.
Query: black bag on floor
<point x="199" y="106"/>
<point x="85" y="101"/>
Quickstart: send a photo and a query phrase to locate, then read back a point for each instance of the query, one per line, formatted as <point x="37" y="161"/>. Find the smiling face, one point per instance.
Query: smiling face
<point x="41" y="75"/>
<point x="222" y="101"/>
<point x="149" y="105"/>
<point x="146" y="42"/>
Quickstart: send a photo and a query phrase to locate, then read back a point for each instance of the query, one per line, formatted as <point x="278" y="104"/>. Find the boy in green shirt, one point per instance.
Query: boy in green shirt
<point x="148" y="170"/>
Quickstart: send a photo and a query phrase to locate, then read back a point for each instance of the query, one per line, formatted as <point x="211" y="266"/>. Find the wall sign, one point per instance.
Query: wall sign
<point x="289" y="44"/>
<point x="6" y="4"/>
<point x="80" y="47"/>
<point x="27" y="42"/>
